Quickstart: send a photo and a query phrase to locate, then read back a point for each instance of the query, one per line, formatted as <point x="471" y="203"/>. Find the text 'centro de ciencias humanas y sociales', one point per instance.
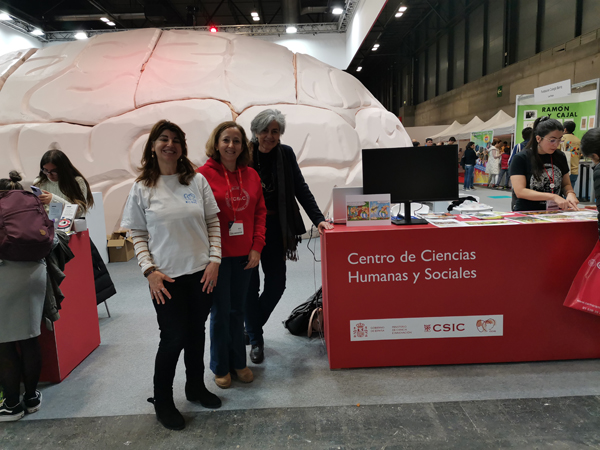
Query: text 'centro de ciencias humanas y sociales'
<point x="425" y="256"/>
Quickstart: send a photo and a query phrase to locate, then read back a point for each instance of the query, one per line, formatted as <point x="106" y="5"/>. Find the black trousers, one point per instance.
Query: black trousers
<point x="182" y="327"/>
<point x="272" y="261"/>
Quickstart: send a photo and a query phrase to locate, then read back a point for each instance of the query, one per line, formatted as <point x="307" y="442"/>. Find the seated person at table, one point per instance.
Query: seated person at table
<point x="540" y="175"/>
<point x="590" y="147"/>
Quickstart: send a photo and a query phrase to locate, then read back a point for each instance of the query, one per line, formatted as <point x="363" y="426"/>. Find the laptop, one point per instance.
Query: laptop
<point x="339" y="201"/>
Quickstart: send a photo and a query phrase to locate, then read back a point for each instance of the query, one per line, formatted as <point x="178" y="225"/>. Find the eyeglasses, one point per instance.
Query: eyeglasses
<point x="552" y="140"/>
<point x="50" y="172"/>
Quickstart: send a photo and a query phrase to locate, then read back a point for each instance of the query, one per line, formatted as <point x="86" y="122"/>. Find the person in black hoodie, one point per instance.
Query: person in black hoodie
<point x="282" y="184"/>
<point x="470" y="158"/>
<point x="590" y="147"/>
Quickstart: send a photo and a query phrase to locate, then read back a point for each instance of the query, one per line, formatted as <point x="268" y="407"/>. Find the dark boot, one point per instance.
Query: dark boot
<point x="257" y="354"/>
<point x="167" y="414"/>
<point x="197" y="392"/>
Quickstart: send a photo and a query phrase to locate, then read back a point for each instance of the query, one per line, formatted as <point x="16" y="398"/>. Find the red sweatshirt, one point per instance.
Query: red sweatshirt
<point x="250" y="207"/>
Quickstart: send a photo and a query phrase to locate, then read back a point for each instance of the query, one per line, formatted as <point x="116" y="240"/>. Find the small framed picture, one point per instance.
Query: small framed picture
<point x="584" y="123"/>
<point x="591" y="122"/>
<point x="530" y="114"/>
<point x="528" y="123"/>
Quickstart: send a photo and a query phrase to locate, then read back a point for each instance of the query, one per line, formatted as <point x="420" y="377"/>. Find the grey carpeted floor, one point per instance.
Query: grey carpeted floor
<point x="116" y="378"/>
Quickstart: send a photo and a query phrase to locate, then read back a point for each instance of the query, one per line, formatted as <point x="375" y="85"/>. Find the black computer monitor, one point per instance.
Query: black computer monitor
<point x="411" y="174"/>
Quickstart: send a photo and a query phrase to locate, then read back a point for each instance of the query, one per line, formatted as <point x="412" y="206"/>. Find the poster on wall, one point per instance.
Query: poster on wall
<point x="482" y="141"/>
<point x="578" y="107"/>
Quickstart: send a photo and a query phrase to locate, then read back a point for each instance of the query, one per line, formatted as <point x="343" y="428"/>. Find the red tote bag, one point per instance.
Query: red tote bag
<point x="584" y="294"/>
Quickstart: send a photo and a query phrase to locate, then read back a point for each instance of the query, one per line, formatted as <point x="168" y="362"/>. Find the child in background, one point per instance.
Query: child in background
<point x="590" y="147"/>
<point x="504" y="168"/>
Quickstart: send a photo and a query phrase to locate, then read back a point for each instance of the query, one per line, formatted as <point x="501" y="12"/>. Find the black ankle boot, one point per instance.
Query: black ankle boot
<point x="167" y="414"/>
<point x="197" y="392"/>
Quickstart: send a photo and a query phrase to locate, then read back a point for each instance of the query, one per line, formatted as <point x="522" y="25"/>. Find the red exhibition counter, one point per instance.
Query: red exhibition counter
<point x="77" y="333"/>
<point x="420" y="295"/>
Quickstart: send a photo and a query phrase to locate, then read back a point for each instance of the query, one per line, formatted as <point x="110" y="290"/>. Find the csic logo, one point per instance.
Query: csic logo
<point x="484" y="326"/>
<point x="190" y="198"/>
<point x="241" y="199"/>
<point x="445" y="327"/>
<point x="360" y="330"/>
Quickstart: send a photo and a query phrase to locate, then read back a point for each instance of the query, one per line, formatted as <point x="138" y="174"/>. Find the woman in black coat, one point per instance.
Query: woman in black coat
<point x="282" y="184"/>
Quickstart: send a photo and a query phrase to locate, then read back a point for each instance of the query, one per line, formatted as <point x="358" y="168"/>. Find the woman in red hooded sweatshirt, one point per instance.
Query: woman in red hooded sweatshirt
<point x="242" y="216"/>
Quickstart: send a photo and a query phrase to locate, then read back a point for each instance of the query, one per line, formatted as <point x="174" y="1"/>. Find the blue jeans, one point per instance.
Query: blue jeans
<point x="573" y="180"/>
<point x="227" y="346"/>
<point x="501" y="175"/>
<point x="469" y="173"/>
<point x="272" y="261"/>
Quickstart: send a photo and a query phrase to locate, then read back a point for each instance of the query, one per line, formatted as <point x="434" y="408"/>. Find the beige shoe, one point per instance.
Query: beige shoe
<point x="245" y="375"/>
<point x="223" y="382"/>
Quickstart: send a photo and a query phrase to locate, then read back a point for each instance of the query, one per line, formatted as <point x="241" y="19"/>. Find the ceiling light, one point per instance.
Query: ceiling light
<point x="81" y="35"/>
<point x="337" y="11"/>
<point x="4" y="16"/>
<point x="374" y="49"/>
<point x="256" y="18"/>
<point x="37" y="32"/>
<point x="112" y="24"/>
<point x="254" y="14"/>
<point x="375" y="45"/>
<point x="359" y="68"/>
<point x="403" y="8"/>
<point x="103" y="19"/>
<point x="399" y="14"/>
<point x="213" y="29"/>
<point x="290" y="29"/>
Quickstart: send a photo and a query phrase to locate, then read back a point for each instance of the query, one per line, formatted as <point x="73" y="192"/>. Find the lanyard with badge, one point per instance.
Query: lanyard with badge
<point x="236" y="227"/>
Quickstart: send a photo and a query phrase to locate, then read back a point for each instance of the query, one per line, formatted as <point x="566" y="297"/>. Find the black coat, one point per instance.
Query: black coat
<point x="105" y="288"/>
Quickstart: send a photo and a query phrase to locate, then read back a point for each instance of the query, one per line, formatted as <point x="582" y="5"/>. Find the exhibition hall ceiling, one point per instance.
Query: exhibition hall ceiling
<point x="69" y="15"/>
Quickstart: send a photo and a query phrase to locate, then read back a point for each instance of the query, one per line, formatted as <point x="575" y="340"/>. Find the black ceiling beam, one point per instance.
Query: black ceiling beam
<point x="274" y="15"/>
<point x="210" y="18"/>
<point x="241" y="12"/>
<point x="172" y="7"/>
<point x="233" y="11"/>
<point x="100" y="7"/>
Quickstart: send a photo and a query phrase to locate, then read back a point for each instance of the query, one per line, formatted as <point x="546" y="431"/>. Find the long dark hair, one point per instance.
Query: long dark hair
<point x="541" y="127"/>
<point x="67" y="183"/>
<point x="151" y="171"/>
<point x="12" y="182"/>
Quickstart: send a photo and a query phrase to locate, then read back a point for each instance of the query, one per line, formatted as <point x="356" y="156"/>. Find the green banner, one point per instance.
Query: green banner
<point x="578" y="107"/>
<point x="483" y="141"/>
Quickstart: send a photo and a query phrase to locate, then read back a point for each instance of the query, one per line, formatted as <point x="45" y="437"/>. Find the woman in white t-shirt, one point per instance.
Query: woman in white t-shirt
<point x="172" y="215"/>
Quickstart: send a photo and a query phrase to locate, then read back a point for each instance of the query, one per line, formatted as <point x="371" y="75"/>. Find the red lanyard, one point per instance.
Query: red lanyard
<point x="234" y="207"/>
<point x="552" y="180"/>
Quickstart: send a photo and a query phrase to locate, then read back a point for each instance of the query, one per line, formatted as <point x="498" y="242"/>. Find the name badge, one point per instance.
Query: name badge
<point x="236" y="228"/>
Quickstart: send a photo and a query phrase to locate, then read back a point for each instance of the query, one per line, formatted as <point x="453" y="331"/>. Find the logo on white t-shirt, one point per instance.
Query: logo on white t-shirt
<point x="190" y="198"/>
<point x="241" y="200"/>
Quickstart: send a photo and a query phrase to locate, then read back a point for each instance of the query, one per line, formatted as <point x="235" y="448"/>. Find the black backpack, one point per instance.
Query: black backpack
<point x="298" y="321"/>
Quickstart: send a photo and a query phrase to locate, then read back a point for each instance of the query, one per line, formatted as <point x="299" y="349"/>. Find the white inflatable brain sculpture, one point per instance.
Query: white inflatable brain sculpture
<point x="97" y="100"/>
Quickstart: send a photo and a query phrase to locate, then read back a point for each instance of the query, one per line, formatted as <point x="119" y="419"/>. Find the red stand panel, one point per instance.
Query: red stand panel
<point x="522" y="276"/>
<point x="77" y="333"/>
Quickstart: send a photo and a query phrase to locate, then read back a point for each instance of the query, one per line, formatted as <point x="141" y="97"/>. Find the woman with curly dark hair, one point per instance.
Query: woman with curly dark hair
<point x="172" y="215"/>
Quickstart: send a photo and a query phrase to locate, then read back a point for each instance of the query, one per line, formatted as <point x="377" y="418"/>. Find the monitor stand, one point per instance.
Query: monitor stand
<point x="408" y="220"/>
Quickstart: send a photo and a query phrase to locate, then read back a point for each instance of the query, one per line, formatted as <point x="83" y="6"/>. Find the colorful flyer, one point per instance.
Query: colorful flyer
<point x="529" y="219"/>
<point x="368" y="210"/>
<point x="489" y="222"/>
<point x="447" y="223"/>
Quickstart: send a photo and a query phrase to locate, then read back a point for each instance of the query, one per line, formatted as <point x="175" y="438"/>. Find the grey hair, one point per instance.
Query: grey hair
<point x="263" y="119"/>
